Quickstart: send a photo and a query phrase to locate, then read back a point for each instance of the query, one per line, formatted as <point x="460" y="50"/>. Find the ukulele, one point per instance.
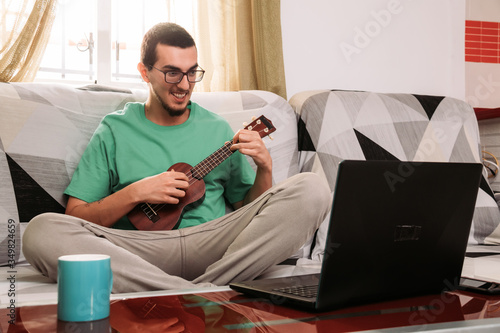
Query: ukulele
<point x="147" y="216"/>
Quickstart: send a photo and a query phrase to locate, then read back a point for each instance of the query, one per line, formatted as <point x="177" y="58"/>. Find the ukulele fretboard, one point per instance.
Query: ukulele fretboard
<point x="203" y="168"/>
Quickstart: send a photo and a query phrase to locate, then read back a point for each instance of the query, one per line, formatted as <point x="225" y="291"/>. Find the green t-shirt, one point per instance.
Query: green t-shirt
<point x="127" y="147"/>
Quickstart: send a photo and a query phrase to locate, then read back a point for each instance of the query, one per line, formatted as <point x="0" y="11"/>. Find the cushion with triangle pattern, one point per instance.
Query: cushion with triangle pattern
<point x="337" y="125"/>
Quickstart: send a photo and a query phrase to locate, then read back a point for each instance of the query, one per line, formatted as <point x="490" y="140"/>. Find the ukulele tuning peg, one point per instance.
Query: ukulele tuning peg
<point x="245" y="124"/>
<point x="254" y="117"/>
<point x="270" y="137"/>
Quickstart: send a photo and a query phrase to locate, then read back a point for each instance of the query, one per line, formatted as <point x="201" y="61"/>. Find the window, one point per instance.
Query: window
<point x="70" y="51"/>
<point x="99" y="40"/>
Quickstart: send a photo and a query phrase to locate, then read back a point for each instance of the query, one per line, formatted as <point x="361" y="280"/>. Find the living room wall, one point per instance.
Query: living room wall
<point x="378" y="45"/>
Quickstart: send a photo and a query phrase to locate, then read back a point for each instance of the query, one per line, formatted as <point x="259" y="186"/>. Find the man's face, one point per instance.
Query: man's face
<point x="174" y="97"/>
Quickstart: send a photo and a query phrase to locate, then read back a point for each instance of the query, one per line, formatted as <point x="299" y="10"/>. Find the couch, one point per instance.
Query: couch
<point x="44" y="129"/>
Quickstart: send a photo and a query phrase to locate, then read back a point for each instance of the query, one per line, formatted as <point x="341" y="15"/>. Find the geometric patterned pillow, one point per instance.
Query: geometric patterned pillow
<point x="338" y="125"/>
<point x="44" y="129"/>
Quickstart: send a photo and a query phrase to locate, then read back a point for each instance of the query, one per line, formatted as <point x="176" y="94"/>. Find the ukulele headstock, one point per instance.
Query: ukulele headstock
<point x="262" y="125"/>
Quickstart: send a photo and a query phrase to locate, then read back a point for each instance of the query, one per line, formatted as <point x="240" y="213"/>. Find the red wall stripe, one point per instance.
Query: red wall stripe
<point x="482" y="41"/>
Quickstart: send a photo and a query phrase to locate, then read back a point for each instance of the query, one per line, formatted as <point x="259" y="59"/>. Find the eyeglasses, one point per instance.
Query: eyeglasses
<point x="193" y="75"/>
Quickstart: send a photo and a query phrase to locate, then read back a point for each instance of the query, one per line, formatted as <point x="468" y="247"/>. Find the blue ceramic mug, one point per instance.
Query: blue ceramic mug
<point x="84" y="287"/>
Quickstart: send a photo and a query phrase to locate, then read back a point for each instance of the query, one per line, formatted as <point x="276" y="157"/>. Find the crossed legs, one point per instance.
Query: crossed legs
<point x="238" y="246"/>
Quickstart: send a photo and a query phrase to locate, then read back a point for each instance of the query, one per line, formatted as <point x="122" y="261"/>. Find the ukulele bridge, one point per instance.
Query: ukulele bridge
<point x="149" y="212"/>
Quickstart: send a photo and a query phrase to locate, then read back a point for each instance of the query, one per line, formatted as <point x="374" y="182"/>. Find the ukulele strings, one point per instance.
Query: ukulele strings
<point x="207" y="165"/>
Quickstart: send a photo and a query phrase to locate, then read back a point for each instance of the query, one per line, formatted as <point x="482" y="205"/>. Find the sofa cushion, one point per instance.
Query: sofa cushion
<point x="338" y="125"/>
<point x="44" y="129"/>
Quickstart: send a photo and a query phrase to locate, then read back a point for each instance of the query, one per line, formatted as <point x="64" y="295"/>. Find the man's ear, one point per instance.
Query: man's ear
<point x="143" y="70"/>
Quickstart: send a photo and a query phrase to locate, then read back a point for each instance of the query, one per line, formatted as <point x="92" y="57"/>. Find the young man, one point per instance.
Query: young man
<point x="124" y="165"/>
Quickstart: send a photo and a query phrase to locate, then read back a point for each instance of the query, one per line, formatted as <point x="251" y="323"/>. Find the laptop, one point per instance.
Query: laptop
<point x="397" y="229"/>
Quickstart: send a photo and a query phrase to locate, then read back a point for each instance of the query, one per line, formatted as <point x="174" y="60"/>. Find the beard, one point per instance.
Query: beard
<point x="172" y="112"/>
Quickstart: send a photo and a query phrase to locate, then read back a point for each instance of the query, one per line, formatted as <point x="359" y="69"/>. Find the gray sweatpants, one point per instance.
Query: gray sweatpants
<point x="238" y="246"/>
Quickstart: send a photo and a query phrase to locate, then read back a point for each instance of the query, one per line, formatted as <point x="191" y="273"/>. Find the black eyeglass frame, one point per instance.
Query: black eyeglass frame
<point x="200" y="70"/>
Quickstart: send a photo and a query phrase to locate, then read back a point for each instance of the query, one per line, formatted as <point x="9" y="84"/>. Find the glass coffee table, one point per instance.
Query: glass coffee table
<point x="224" y="310"/>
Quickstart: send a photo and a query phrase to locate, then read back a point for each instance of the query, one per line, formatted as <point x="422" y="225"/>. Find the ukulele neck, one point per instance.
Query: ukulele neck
<point x="203" y="168"/>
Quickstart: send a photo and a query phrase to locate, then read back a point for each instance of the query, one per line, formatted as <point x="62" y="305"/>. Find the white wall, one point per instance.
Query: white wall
<point x="414" y="46"/>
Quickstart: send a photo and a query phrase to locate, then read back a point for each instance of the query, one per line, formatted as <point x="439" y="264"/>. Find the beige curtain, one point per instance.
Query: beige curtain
<point x="240" y="45"/>
<point x="25" y="31"/>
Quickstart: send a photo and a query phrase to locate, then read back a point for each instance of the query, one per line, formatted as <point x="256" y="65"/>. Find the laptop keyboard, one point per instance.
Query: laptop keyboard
<point x="303" y="291"/>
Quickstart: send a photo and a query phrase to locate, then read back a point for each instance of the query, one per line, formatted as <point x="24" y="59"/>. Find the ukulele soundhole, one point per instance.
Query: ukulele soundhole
<point x="195" y="174"/>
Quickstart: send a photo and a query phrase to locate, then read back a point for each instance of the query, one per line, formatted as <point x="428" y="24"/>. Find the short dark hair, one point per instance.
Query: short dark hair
<point x="166" y="33"/>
